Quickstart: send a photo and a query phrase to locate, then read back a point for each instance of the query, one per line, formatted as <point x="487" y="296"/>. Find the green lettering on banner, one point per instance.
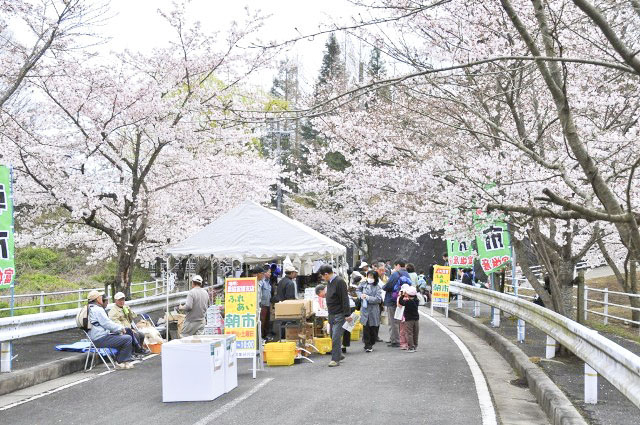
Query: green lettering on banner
<point x="494" y="246"/>
<point x="460" y="254"/>
<point x="7" y="263"/>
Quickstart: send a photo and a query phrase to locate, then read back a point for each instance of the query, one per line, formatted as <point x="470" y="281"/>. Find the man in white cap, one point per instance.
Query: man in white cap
<point x="123" y="315"/>
<point x="196" y="308"/>
<point x="105" y="333"/>
<point x="286" y="286"/>
<point x="364" y="268"/>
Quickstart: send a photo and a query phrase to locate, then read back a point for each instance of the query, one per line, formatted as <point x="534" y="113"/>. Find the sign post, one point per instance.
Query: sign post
<point x="7" y="261"/>
<point x="241" y="316"/>
<point x="440" y="288"/>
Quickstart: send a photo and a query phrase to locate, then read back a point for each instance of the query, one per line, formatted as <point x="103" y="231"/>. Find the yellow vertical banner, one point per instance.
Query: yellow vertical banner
<point x="241" y="313"/>
<point x="440" y="287"/>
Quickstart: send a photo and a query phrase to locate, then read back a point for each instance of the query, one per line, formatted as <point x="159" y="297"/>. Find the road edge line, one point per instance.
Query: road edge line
<point x="487" y="408"/>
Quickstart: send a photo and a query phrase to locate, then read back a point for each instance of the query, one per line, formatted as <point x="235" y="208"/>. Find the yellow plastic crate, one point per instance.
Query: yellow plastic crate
<point x="322" y="344"/>
<point x="280" y="353"/>
<point x="357" y="330"/>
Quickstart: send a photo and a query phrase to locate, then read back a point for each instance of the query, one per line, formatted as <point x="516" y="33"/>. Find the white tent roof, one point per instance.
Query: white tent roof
<point x="252" y="233"/>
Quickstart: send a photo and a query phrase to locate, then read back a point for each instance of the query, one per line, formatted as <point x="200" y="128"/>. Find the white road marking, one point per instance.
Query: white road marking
<point x="484" y="398"/>
<point x="230" y="405"/>
<point x="55" y="390"/>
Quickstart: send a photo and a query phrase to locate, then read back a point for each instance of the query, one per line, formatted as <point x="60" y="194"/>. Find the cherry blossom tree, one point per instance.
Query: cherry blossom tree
<point x="127" y="157"/>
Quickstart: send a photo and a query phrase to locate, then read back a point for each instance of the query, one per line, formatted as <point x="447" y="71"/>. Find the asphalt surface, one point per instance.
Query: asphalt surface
<point x="567" y="373"/>
<point x="433" y="386"/>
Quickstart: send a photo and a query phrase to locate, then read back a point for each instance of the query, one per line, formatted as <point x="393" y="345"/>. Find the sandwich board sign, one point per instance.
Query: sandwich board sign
<point x="241" y="316"/>
<point x="440" y="288"/>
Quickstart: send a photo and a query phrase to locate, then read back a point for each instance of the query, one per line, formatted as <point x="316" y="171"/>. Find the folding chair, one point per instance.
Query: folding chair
<point x="91" y="352"/>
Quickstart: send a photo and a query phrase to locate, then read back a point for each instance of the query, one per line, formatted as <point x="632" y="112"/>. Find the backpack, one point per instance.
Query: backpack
<point x="398" y="285"/>
<point x="82" y="318"/>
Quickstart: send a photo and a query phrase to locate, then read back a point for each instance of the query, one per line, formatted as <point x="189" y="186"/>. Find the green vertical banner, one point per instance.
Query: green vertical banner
<point x="7" y="263"/>
<point x="460" y="254"/>
<point x="494" y="246"/>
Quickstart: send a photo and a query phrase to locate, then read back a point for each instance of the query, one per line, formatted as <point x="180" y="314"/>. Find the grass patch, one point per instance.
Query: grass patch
<point x="616" y="329"/>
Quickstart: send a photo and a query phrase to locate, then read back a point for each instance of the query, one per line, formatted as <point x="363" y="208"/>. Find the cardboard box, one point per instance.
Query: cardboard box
<point x="291" y="309"/>
<point x="292" y="333"/>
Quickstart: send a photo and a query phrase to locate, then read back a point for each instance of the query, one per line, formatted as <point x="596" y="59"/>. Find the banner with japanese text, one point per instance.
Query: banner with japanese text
<point x="241" y="313"/>
<point x="460" y="254"/>
<point x="440" y="287"/>
<point x="494" y="246"/>
<point x="7" y="263"/>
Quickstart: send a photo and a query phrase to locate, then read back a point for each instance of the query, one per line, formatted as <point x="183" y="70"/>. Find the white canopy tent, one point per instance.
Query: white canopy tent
<point x="251" y="233"/>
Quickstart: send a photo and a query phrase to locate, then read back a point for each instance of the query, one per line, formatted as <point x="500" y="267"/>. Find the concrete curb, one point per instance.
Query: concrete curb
<point x="25" y="378"/>
<point x="553" y="401"/>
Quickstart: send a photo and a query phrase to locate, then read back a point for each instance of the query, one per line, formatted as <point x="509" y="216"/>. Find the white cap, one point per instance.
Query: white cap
<point x="290" y="269"/>
<point x="118" y="295"/>
<point x="363" y="264"/>
<point x="197" y="278"/>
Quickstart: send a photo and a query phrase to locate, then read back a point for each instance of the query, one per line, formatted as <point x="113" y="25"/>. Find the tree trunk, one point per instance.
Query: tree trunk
<point x="124" y="271"/>
<point x="633" y="289"/>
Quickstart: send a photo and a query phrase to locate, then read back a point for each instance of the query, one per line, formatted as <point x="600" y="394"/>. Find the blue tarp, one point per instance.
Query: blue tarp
<point x="83" y="347"/>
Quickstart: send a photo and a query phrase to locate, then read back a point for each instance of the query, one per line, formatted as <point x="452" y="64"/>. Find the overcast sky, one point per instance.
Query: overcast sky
<point x="136" y="25"/>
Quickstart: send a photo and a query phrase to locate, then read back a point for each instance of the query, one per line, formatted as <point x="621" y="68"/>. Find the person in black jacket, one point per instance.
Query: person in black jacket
<point x="409" y="300"/>
<point x="337" y="298"/>
<point x="286" y="287"/>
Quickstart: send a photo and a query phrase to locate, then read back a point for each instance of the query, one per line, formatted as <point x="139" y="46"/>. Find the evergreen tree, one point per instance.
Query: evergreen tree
<point x="376" y="69"/>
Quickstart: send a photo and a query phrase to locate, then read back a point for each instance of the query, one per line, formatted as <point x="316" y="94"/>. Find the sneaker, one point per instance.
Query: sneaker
<point x="404" y="347"/>
<point x="368" y="350"/>
<point x="333" y="364"/>
<point x="121" y="365"/>
<point x="344" y="349"/>
<point x="128" y="365"/>
<point x="144" y="352"/>
<point x="411" y="350"/>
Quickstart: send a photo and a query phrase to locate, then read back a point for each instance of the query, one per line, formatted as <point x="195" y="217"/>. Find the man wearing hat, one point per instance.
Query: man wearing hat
<point x="105" y="333"/>
<point x="364" y="268"/>
<point x="196" y="308"/>
<point x="123" y="315"/>
<point x="286" y="286"/>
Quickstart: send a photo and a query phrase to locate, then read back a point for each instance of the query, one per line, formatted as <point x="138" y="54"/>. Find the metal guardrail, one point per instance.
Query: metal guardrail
<point x="617" y="364"/>
<point x="155" y="286"/>
<point x="16" y="327"/>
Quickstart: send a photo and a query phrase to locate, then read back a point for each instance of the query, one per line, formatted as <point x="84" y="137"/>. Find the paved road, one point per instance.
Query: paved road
<point x="436" y="385"/>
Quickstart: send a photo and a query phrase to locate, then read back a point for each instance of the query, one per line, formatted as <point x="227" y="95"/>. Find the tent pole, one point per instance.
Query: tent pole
<point x="166" y="293"/>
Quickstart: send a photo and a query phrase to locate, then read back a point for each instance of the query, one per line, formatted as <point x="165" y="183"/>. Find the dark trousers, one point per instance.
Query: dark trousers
<point x="264" y="320"/>
<point x="137" y="339"/>
<point x="412" y="330"/>
<point x="120" y="342"/>
<point x="336" y="322"/>
<point x="370" y="335"/>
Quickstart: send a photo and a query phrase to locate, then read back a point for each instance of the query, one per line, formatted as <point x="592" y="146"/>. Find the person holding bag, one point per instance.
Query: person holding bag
<point x="370" y="294"/>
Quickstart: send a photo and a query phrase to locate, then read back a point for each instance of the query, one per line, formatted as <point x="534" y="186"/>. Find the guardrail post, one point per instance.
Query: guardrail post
<point x="459" y="298"/>
<point x="144" y="290"/>
<point x="80" y="298"/>
<point x="5" y="356"/>
<point x="495" y="320"/>
<point x="155" y="291"/>
<point x="521" y="330"/>
<point x="41" y="301"/>
<point x="550" y="351"/>
<point x="606" y="305"/>
<point x="590" y="385"/>
<point x="476" y="309"/>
